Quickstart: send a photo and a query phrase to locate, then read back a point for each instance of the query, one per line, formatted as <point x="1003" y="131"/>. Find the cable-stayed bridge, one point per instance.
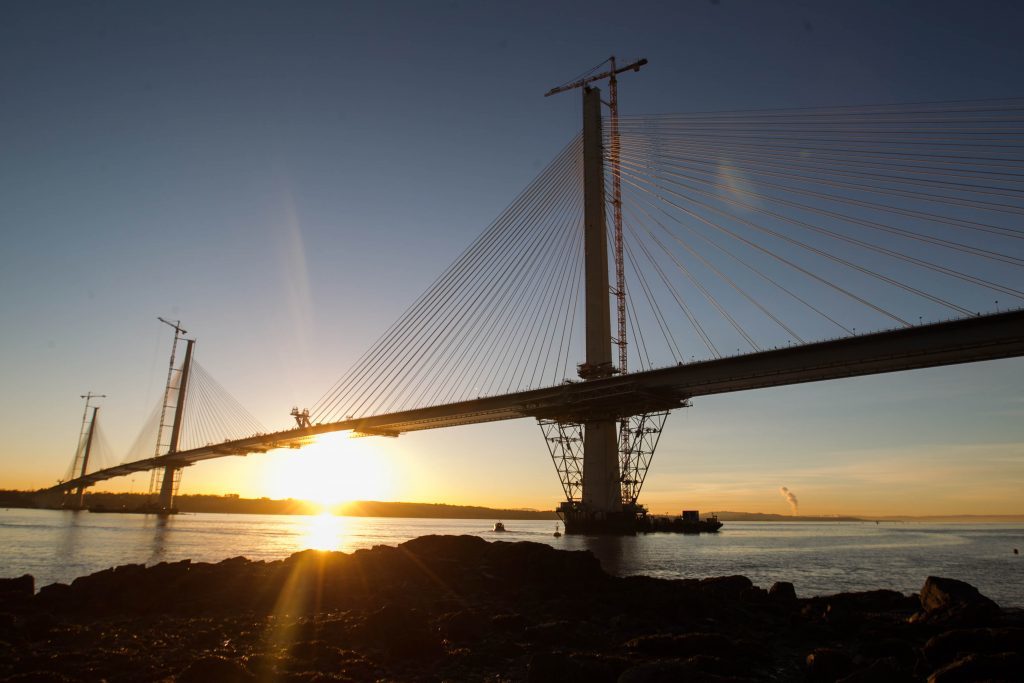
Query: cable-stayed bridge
<point x="714" y="252"/>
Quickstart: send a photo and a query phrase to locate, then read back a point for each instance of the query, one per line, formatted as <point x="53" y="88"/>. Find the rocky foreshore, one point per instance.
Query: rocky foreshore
<point x="459" y="608"/>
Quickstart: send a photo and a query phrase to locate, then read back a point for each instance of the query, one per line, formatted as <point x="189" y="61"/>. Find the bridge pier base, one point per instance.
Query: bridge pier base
<point x="601" y="480"/>
<point x="168" y="487"/>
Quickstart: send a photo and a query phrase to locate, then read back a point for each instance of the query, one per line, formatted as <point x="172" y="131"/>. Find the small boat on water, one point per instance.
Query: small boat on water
<point x="498" y="526"/>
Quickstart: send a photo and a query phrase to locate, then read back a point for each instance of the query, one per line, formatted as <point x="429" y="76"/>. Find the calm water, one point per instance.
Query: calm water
<point x="819" y="558"/>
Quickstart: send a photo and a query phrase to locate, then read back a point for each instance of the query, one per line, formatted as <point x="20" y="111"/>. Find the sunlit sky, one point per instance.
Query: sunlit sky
<point x="286" y="178"/>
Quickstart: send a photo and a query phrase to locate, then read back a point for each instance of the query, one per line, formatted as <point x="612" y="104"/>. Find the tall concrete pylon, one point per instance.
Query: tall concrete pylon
<point x="601" y="487"/>
<point x="171" y="472"/>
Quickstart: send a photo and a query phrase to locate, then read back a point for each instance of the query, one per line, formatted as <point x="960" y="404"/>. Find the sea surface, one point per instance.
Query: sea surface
<point x="818" y="558"/>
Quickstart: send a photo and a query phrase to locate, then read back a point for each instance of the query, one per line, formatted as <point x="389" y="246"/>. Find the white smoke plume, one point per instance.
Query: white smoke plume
<point x="790" y="498"/>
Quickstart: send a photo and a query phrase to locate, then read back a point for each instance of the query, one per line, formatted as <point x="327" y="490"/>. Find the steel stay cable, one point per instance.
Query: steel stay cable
<point x="921" y="196"/>
<point x="643" y="357"/>
<point x="475" y="296"/>
<point x="539" y="306"/>
<point x="860" y="138"/>
<point x="830" y="169"/>
<point x="872" y="109"/>
<point x="473" y="269"/>
<point x="513" y="321"/>
<point x="679" y="299"/>
<point x="757" y="246"/>
<point x="822" y="253"/>
<point x="828" y="159"/>
<point x="1010" y="127"/>
<point x="505" y="367"/>
<point x="647" y="197"/>
<point x="659" y="316"/>
<point x="735" y="189"/>
<point x="512" y="295"/>
<point x="832" y="157"/>
<point x="513" y="265"/>
<point x="839" y="236"/>
<point x="555" y="319"/>
<point x="464" y="265"/>
<point x="639" y="158"/>
<point x="722" y="275"/>
<point x="543" y="306"/>
<point x="929" y="265"/>
<point x="702" y="289"/>
<point x="238" y="418"/>
<point x="495" y="231"/>
<point x="199" y="416"/>
<point x="572" y="300"/>
<point x="863" y="151"/>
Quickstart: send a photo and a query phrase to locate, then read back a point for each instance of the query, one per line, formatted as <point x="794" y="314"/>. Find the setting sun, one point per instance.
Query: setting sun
<point x="335" y="469"/>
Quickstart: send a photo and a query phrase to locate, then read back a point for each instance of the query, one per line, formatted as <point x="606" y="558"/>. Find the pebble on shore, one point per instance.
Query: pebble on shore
<point x="461" y="608"/>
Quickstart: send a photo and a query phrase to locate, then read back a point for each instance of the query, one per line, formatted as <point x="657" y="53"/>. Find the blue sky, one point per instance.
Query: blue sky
<point x="287" y="177"/>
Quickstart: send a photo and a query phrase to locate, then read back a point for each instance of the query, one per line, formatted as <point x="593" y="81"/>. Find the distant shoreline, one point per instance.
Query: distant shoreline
<point x="233" y="504"/>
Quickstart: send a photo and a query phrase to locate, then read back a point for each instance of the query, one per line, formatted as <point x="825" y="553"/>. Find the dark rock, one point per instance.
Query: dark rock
<point x="658" y="671"/>
<point x="564" y="632"/>
<point x="754" y="595"/>
<point x="8" y="625"/>
<point x="1007" y="666"/>
<point x="782" y="591"/>
<point x="39" y="626"/>
<point x="463" y="627"/>
<point x="953" y="645"/>
<point x="460" y="608"/>
<point x="21" y="587"/>
<point x="55" y="593"/>
<point x="402" y="632"/>
<point x="683" y="646"/>
<point x="951" y="600"/>
<point x="726" y="587"/>
<point x="886" y="670"/>
<point x="877" y="646"/>
<point x="828" y="664"/>
<point x="218" y="669"/>
<point x="701" y="668"/>
<point x="510" y="623"/>
<point x="873" y="601"/>
<point x="545" y="667"/>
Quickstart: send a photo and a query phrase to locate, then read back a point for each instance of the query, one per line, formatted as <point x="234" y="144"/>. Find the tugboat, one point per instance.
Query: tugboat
<point x="687" y="523"/>
<point x="498" y="526"/>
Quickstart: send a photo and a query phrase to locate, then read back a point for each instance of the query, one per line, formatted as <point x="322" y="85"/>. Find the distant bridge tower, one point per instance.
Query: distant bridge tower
<point x="86" y="436"/>
<point x="166" y="480"/>
<point x="601" y="470"/>
<point x="80" y="492"/>
<point x="171" y="477"/>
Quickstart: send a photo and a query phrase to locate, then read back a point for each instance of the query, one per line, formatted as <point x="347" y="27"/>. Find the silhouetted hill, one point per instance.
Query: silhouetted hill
<point x="727" y="516"/>
<point x="232" y="503"/>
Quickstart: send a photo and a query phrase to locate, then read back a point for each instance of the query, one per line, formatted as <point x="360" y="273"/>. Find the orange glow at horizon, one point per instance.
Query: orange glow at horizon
<point x="335" y="469"/>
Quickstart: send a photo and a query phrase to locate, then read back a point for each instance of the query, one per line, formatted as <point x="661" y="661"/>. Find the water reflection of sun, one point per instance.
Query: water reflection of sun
<point x="335" y="469"/>
<point x="324" y="532"/>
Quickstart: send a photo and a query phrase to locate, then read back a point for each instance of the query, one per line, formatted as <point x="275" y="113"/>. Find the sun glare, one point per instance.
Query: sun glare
<point x="335" y="469"/>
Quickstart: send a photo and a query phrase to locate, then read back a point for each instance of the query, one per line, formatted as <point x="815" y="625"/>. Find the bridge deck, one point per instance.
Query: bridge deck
<point x="966" y="340"/>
